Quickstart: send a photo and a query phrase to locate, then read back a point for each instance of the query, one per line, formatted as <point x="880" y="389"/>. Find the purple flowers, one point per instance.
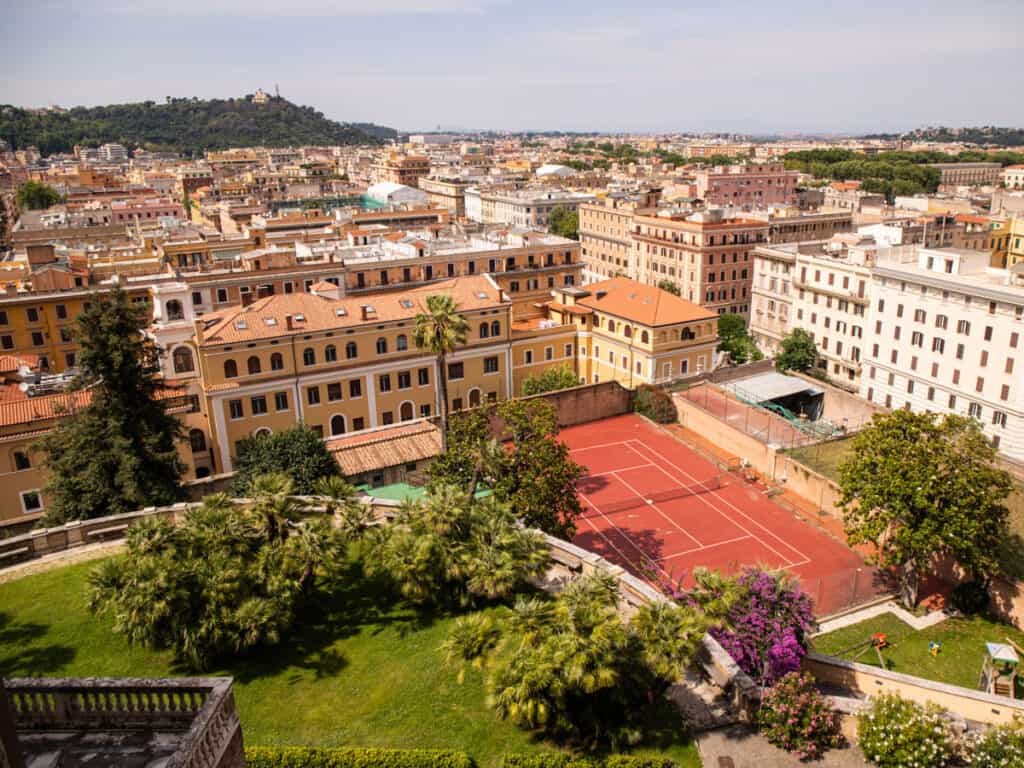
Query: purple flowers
<point x="766" y="626"/>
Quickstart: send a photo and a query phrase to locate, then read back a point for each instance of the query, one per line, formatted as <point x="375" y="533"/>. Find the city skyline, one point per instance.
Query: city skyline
<point x="495" y="65"/>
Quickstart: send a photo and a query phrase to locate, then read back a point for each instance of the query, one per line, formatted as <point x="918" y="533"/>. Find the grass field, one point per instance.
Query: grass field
<point x="823" y="458"/>
<point x="957" y="663"/>
<point x="359" y="670"/>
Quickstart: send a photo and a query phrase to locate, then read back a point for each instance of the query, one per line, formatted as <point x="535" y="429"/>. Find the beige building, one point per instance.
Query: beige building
<point x="605" y="230"/>
<point x="401" y="169"/>
<point x="967" y="174"/>
<point x="449" y="194"/>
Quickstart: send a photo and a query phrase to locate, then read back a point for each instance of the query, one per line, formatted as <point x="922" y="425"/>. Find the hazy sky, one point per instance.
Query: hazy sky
<point x="597" y="65"/>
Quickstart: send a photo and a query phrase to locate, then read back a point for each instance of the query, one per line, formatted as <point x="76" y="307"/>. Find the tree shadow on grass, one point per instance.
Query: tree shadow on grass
<point x="21" y="658"/>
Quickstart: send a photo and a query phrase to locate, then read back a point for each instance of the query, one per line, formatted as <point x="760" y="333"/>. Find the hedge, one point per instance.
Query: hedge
<point x="655" y="403"/>
<point x="354" y="757"/>
<point x="557" y="760"/>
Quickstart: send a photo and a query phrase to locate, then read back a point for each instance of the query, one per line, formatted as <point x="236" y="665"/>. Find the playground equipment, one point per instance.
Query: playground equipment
<point x="999" y="670"/>
<point x="877" y="642"/>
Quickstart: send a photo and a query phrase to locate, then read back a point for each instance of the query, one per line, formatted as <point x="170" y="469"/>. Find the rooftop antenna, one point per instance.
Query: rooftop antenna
<point x="277" y="90"/>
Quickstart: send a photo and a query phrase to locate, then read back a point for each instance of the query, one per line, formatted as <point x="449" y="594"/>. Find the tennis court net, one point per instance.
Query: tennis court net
<point x="711" y="484"/>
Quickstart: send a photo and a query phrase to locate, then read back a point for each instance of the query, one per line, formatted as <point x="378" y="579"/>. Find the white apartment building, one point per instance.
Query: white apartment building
<point x="521" y="208"/>
<point x="946" y="337"/>
<point x="821" y="287"/>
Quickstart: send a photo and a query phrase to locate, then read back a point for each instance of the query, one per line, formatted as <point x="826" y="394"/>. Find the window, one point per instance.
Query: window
<point x="355" y="388"/>
<point x="69" y="359"/>
<point x="387" y="418"/>
<point x="313" y="395"/>
<point x="7" y="342"/>
<point x="197" y="298"/>
<point x="330" y="353"/>
<point x="384" y="382"/>
<point x="455" y="371"/>
<point x="309" y="356"/>
<point x="21" y="461"/>
<point x="974" y="410"/>
<point x="979" y="385"/>
<point x="999" y="418"/>
<point x="528" y="357"/>
<point x="988" y="333"/>
<point x="334" y="391"/>
<point x="457" y="404"/>
<point x="37" y="339"/>
<point x="952" y="402"/>
<point x="235" y="409"/>
<point x="230" y="369"/>
<point x="425" y="410"/>
<point x="423" y="377"/>
<point x="253" y="365"/>
<point x="33" y="314"/>
<point x="182" y="360"/>
<point x="337" y="424"/>
<point x="62" y="311"/>
<point x="549" y="353"/>
<point x="3" y="317"/>
<point x="568" y="350"/>
<point x="259" y="405"/>
<point x="402" y="343"/>
<point x="406" y="412"/>
<point x="382" y="346"/>
<point x="404" y="379"/>
<point x="484" y="330"/>
<point x="491" y="364"/>
<point x="222" y="295"/>
<point x="963" y="326"/>
<point x="938" y="345"/>
<point x="31" y="501"/>
<point x="281" y="401"/>
<point x="276" y="362"/>
<point x="495" y="328"/>
<point x="941" y="321"/>
<point x="351" y="350"/>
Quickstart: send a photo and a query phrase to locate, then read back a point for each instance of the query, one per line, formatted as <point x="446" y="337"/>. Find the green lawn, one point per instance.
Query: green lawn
<point x="958" y="662"/>
<point x="360" y="670"/>
<point x="823" y="458"/>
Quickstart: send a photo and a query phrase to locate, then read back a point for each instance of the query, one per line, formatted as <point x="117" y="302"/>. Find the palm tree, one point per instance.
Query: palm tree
<point x="342" y="502"/>
<point x="274" y="505"/>
<point x="440" y="330"/>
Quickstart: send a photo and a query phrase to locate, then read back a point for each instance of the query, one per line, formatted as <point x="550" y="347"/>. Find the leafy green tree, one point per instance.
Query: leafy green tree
<point x="468" y="434"/>
<point x="440" y="330"/>
<point x="734" y="339"/>
<point x="917" y="485"/>
<point x="33" y="196"/>
<point x="219" y="583"/>
<point x="298" y="453"/>
<point x="117" y="453"/>
<point x="549" y="380"/>
<point x="565" y="223"/>
<point x="450" y="548"/>
<point x="670" y="286"/>
<point x="797" y="353"/>
<point x="575" y="669"/>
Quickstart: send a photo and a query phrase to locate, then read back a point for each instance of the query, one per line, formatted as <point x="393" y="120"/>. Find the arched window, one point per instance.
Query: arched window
<point x="351" y="350"/>
<point x="262" y="432"/>
<point x="628" y="331"/>
<point x="611" y="326"/>
<point x="197" y="440"/>
<point x="405" y="411"/>
<point x="644" y="337"/>
<point x="309" y="356"/>
<point x="483" y="330"/>
<point x="254" y="365"/>
<point x="330" y="353"/>
<point x="230" y="369"/>
<point x="401" y="343"/>
<point x="182" y="360"/>
<point x="202" y="472"/>
<point x="495" y="328"/>
<point x="382" y="345"/>
<point x="174" y="310"/>
<point x="687" y="334"/>
<point x="276" y="362"/>
<point x="474" y="398"/>
<point x="338" y="425"/>
<point x="21" y="461"/>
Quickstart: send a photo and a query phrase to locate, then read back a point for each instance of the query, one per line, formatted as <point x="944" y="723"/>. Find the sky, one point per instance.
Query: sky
<point x="785" y="66"/>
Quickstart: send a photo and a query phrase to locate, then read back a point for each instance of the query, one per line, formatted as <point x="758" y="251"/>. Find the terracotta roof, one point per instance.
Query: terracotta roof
<point x="845" y="186"/>
<point x="30" y="409"/>
<point x="643" y="304"/>
<point x="383" y="448"/>
<point x="323" y="285"/>
<point x="14" y="362"/>
<point x="267" y="317"/>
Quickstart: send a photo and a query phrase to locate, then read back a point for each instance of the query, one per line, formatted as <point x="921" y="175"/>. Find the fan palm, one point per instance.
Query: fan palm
<point x="440" y="330"/>
<point x="274" y="506"/>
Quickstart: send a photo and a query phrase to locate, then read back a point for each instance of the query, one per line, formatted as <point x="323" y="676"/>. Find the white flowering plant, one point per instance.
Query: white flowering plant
<point x="999" y="747"/>
<point x="897" y="733"/>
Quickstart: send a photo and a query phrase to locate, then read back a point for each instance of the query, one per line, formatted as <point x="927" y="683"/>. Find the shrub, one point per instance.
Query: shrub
<point x="895" y="733"/>
<point x="795" y="717"/>
<point x="298" y="452"/>
<point x="561" y="760"/>
<point x="970" y="598"/>
<point x="354" y="757"/>
<point x="767" y="625"/>
<point x="998" y="747"/>
<point x="655" y="404"/>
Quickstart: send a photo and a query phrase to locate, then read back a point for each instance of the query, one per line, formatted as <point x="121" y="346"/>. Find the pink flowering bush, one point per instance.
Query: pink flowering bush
<point x="766" y="626"/>
<point x="795" y="717"/>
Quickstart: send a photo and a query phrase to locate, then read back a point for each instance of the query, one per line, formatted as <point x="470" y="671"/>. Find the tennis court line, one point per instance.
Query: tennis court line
<point x="611" y="543"/>
<point x="621" y="469"/>
<point x="723" y="500"/>
<point x="706" y="547"/>
<point x="601" y="445"/>
<point x="643" y="503"/>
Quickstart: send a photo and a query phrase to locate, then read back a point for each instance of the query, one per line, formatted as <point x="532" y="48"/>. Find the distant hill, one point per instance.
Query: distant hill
<point x="190" y="126"/>
<point x="1003" y="137"/>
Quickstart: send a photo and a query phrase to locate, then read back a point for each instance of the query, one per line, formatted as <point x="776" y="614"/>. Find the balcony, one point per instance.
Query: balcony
<point x="129" y="722"/>
<point x="831" y="290"/>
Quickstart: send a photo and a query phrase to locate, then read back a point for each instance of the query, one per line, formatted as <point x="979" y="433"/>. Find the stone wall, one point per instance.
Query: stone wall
<point x="588" y="402"/>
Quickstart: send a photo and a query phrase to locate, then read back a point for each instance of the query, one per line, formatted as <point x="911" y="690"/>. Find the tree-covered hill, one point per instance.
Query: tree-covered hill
<point x="190" y="126"/>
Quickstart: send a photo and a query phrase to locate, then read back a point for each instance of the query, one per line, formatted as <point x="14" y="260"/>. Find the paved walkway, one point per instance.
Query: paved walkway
<point x="61" y="559"/>
<point x="856" y="617"/>
<point x="741" y="746"/>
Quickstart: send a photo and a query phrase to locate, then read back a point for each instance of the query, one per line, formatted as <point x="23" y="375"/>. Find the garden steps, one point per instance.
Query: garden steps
<point x="702" y="704"/>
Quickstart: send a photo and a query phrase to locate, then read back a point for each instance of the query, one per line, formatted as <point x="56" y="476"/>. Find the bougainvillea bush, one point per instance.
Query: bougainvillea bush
<point x="896" y="733"/>
<point x="795" y="717"/>
<point x="998" y="747"/>
<point x="767" y="625"/>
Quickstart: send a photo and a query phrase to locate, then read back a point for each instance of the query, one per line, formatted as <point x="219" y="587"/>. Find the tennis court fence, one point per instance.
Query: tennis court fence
<point x="635" y="502"/>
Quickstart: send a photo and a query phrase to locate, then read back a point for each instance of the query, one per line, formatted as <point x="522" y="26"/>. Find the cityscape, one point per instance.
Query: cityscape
<point x="517" y="398"/>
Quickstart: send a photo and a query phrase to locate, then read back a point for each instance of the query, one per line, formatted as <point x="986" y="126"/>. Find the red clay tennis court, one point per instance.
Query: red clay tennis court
<point x="653" y="505"/>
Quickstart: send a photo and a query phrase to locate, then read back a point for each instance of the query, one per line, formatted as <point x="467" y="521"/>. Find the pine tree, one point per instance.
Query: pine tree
<point x="118" y="453"/>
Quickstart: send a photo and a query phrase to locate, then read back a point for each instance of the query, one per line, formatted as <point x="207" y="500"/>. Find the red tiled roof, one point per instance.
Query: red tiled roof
<point x="31" y="409"/>
<point x="383" y="448"/>
<point x="643" y="304"/>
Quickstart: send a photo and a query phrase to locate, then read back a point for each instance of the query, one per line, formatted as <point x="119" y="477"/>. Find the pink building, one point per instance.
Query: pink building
<point x="151" y="209"/>
<point x="747" y="186"/>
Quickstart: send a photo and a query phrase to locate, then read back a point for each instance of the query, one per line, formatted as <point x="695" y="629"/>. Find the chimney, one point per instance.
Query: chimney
<point x="368" y="312"/>
<point x="248" y="298"/>
<point x="289" y="322"/>
<point x="199" y="327"/>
